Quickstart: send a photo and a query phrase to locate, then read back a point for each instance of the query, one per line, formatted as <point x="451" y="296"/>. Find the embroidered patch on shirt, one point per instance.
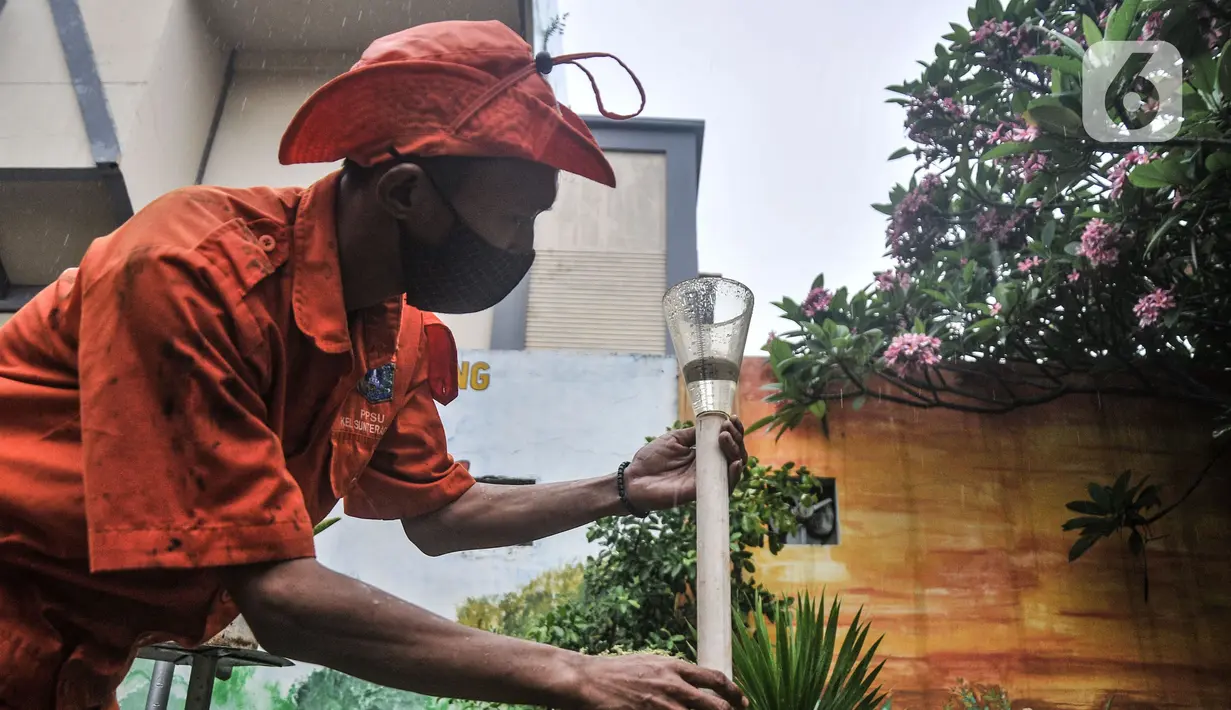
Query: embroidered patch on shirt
<point x="377" y="385"/>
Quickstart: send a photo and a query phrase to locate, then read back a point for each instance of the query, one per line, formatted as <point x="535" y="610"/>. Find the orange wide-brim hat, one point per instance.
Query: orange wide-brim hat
<point x="456" y="88"/>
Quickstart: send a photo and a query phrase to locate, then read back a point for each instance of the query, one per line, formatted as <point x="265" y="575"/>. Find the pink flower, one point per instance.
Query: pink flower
<point x="1098" y="243"/>
<point x="910" y="351"/>
<point x="1152" y="305"/>
<point x="1012" y="133"/>
<point x="1029" y="165"/>
<point x="1026" y="265"/>
<point x="887" y="280"/>
<point x="1072" y="31"/>
<point x="1177" y="200"/>
<point x="985" y="31"/>
<point x="1119" y="172"/>
<point x="925" y="109"/>
<point x="1018" y="37"/>
<point x="989" y="225"/>
<point x="817" y="300"/>
<point x="1209" y="26"/>
<point x="996" y="309"/>
<point x="772" y="337"/>
<point x="1153" y="26"/>
<point x="1074" y="276"/>
<point x="912" y="212"/>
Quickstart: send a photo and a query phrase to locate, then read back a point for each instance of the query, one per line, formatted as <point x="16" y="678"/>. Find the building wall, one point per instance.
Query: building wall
<point x="951" y="538"/>
<point x="598" y="281"/>
<point x="164" y="98"/>
<point x="578" y="415"/>
<point x="40" y="125"/>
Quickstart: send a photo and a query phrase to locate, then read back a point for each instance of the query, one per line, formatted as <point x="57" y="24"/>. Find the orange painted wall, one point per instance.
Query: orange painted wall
<point x="950" y="535"/>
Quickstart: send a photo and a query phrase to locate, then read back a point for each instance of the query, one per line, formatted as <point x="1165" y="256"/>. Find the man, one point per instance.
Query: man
<point x="179" y="411"/>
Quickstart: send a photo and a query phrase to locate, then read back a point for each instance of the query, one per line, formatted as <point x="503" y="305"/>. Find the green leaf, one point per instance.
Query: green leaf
<point x="1086" y="507"/>
<point x="779" y="351"/>
<point x="961" y="35"/>
<point x="1205" y="73"/>
<point x="1083" y="522"/>
<point x="900" y="153"/>
<point x="1070" y="45"/>
<point x="1006" y="149"/>
<point x="1090" y="30"/>
<point x="760" y="423"/>
<point x="1224" y="71"/>
<point x="1136" y="544"/>
<point x="1051" y="115"/>
<point x="1121" y="21"/>
<point x="1049" y="233"/>
<point x="1100" y="495"/>
<point x="1119" y="489"/>
<point x="1162" y="230"/>
<point x="1167" y="172"/>
<point x="1072" y="248"/>
<point x="884" y="209"/>
<point x="1082" y="545"/>
<point x="1067" y="65"/>
<point x="817" y="409"/>
<point x="858" y="402"/>
<point x="324" y="525"/>
<point x="819" y="281"/>
<point x="1219" y="162"/>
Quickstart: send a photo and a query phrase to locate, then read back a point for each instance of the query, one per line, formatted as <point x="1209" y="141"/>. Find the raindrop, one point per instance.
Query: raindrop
<point x="344" y="21"/>
<point x="360" y="18"/>
<point x="243" y="104"/>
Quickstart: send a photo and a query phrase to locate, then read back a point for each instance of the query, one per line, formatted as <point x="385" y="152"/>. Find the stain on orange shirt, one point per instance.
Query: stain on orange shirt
<point x="193" y="396"/>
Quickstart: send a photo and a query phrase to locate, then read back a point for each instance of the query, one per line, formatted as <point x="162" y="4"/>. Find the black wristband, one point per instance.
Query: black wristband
<point x="623" y="489"/>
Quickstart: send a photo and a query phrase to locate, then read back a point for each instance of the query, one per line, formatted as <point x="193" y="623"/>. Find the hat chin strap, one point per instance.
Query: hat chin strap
<point x="543" y="64"/>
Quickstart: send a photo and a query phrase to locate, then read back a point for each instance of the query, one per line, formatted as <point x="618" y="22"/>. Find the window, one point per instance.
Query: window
<point x="818" y="524"/>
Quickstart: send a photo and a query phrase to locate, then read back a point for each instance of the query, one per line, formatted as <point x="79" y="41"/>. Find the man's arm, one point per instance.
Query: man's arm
<point x="662" y="475"/>
<point x="304" y="611"/>
<point x="491" y="515"/>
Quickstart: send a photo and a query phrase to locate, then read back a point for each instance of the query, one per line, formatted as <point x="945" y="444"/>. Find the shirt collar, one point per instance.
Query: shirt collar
<point x="320" y="311"/>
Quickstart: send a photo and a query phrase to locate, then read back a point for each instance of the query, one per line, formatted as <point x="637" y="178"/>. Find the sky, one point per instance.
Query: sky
<point x="797" y="131"/>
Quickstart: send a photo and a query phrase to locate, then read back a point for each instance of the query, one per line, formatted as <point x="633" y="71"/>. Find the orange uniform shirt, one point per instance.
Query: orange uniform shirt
<point x="195" y="395"/>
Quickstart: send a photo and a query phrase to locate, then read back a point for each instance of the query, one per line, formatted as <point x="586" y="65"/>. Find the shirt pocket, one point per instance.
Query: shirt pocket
<point x="366" y="416"/>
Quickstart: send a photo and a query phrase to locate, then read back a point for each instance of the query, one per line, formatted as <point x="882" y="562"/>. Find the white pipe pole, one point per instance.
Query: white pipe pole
<point x="713" y="548"/>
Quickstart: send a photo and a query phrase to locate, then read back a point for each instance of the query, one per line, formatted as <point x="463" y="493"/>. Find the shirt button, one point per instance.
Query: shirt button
<point x="267" y="242"/>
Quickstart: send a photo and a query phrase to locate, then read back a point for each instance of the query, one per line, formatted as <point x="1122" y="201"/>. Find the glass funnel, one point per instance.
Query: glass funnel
<point x="708" y="318"/>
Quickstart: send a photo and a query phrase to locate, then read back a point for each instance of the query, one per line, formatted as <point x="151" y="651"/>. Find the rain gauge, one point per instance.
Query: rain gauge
<point x="708" y="318"/>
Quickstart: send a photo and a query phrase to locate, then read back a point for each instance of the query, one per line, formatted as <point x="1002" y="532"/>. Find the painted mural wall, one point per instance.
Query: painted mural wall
<point x="547" y="416"/>
<point x="950" y="534"/>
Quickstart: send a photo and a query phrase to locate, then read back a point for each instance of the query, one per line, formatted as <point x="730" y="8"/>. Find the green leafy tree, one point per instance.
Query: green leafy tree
<point x="516" y="613"/>
<point x="1032" y="261"/>
<point x="636" y="593"/>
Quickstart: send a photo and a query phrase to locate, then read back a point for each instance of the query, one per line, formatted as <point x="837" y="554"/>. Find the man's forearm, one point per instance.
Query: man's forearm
<point x="306" y="612"/>
<point x="492" y="515"/>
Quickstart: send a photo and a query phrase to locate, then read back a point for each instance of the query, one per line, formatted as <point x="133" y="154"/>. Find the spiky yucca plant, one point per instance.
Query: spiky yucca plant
<point x="803" y="667"/>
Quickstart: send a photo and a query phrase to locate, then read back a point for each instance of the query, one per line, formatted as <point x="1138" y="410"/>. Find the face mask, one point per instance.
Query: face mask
<point x="462" y="274"/>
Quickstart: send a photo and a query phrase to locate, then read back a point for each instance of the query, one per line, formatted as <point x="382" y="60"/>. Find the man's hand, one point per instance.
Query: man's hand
<point x="663" y="474"/>
<point x="647" y="681"/>
<point x="306" y="612"/>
